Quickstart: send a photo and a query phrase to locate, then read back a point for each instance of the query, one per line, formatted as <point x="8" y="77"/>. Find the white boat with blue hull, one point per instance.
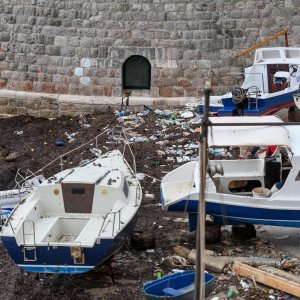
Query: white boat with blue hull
<point x="243" y="191"/>
<point x="269" y="85"/>
<point x="76" y="219"/>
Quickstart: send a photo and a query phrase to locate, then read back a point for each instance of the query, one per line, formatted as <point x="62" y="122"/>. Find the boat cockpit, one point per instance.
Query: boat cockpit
<point x="242" y="176"/>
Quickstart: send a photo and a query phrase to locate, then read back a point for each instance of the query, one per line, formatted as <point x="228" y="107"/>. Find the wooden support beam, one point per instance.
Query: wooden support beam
<point x="264" y="42"/>
<point x="267" y="279"/>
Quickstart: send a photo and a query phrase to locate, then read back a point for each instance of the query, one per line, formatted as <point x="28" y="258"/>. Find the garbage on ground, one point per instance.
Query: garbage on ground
<point x="174" y="261"/>
<point x="86" y="125"/>
<point x="140" y="176"/>
<point x="149" y="196"/>
<point x="97" y="152"/>
<point x="11" y="157"/>
<point x="244" y="285"/>
<point x="18" y="132"/>
<point x="232" y="292"/>
<point x="139" y="139"/>
<point x="71" y="136"/>
<point x="187" y="114"/>
<point x="59" y="143"/>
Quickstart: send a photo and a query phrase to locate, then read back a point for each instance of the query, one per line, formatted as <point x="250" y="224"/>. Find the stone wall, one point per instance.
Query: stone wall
<point x="78" y="47"/>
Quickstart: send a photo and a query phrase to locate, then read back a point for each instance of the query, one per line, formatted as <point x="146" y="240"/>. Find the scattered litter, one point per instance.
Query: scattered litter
<point x="139" y="139"/>
<point x="150" y="251"/>
<point x="232" y="292"/>
<point x="175" y="261"/>
<point x="18" y="132"/>
<point x="149" y="196"/>
<point x="244" y="285"/>
<point x="181" y="159"/>
<point x="97" y="152"/>
<point x="59" y="143"/>
<point x="193" y="146"/>
<point x="11" y="157"/>
<point x="86" y="125"/>
<point x="187" y="114"/>
<point x="183" y="220"/>
<point x="197" y="120"/>
<point x="140" y="176"/>
<point x="71" y="136"/>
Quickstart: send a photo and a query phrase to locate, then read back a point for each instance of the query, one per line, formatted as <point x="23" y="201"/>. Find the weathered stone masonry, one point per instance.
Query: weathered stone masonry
<point x="78" y="47"/>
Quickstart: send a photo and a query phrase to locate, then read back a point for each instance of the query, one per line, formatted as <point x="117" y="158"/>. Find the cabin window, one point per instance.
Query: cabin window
<point x="271" y="54"/>
<point x="136" y="73"/>
<point x="243" y="186"/>
<point x="298" y="177"/>
<point x="292" y="53"/>
<point x="78" y="191"/>
<point x="125" y="189"/>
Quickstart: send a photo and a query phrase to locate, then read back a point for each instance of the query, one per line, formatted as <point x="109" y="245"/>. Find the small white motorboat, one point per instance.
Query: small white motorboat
<point x="243" y="191"/>
<point x="75" y="220"/>
<point x="269" y="85"/>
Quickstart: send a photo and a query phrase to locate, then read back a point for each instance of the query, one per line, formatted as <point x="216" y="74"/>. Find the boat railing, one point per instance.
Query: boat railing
<point x="23" y="180"/>
<point x="138" y="194"/>
<point x="119" y="134"/>
<point x="4" y="218"/>
<point x="116" y="216"/>
<point x="253" y="93"/>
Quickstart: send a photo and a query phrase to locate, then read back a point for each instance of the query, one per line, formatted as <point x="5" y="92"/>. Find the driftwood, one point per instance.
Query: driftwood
<point x="281" y="273"/>
<point x="266" y="278"/>
<point x="218" y="263"/>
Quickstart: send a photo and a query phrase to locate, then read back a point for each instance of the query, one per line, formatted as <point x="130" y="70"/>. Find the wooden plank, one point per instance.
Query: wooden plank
<point x="267" y="279"/>
<point x="263" y="42"/>
<point x="283" y="274"/>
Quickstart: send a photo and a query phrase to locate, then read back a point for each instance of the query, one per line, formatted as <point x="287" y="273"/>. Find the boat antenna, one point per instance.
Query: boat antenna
<point x="200" y="233"/>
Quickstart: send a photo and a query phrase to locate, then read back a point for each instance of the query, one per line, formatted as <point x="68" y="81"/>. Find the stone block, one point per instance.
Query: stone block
<point x="21" y="111"/>
<point x="183" y="82"/>
<point x="3" y="102"/>
<point x="178" y="91"/>
<point x="53" y="50"/>
<point x="61" y="41"/>
<point x="166" y="92"/>
<point x="108" y="91"/>
<point x="4" y="36"/>
<point x="190" y="92"/>
<point x="10" y="109"/>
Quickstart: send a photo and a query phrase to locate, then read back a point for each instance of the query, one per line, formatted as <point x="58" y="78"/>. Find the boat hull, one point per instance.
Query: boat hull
<point x="266" y="106"/>
<point x="228" y="214"/>
<point x="58" y="259"/>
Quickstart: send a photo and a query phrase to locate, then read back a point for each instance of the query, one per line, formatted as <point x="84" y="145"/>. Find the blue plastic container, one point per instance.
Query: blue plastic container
<point x="177" y="286"/>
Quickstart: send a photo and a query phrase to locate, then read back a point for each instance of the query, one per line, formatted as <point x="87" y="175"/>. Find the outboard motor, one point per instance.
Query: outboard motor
<point x="238" y="95"/>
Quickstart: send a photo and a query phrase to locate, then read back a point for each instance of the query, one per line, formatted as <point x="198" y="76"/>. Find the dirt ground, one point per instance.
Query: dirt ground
<point x="31" y="144"/>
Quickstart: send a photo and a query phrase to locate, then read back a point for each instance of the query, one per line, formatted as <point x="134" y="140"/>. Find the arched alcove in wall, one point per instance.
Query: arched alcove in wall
<point x="136" y="72"/>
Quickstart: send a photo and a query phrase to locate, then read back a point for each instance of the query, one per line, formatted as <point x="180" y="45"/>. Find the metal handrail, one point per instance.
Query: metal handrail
<point x="34" y="174"/>
<point x="114" y="221"/>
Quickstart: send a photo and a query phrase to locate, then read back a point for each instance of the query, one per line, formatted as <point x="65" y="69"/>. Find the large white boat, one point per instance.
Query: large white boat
<point x="76" y="219"/>
<point x="269" y="85"/>
<point x="243" y="191"/>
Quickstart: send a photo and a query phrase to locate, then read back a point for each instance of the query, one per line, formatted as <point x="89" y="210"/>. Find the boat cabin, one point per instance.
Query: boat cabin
<point x="274" y="70"/>
<point x="242" y="176"/>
